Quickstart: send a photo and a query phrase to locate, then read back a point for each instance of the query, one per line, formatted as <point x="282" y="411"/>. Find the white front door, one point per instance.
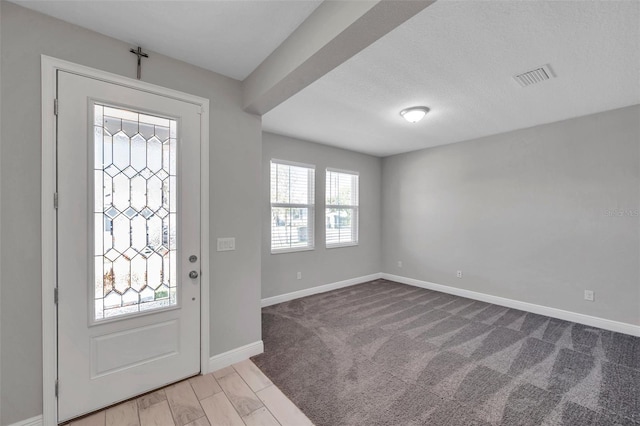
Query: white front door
<point x="128" y="242"/>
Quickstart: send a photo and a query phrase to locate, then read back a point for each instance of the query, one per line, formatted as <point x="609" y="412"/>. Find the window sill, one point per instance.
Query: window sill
<point x="292" y="250"/>
<point x="332" y="246"/>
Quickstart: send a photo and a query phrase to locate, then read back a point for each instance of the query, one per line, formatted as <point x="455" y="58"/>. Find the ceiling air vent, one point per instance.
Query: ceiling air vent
<point x="537" y="75"/>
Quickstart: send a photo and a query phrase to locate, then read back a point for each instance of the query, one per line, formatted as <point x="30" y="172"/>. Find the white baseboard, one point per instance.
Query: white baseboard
<point x="606" y="324"/>
<point x="33" y="421"/>
<point x="225" y="359"/>
<point x="319" y="289"/>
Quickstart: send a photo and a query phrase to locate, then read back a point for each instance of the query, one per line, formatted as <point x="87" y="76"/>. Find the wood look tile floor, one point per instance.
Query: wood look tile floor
<point x="237" y="395"/>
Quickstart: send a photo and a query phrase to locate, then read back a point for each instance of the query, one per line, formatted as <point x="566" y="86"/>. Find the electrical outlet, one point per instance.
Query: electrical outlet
<point x="299" y="275"/>
<point x="589" y="295"/>
<point x="399" y="263"/>
<point x="459" y="274"/>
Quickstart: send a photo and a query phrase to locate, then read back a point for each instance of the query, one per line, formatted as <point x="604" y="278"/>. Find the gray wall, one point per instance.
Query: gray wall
<point x="526" y="214"/>
<point x="235" y="192"/>
<point x="0" y="209"/>
<point x="321" y="266"/>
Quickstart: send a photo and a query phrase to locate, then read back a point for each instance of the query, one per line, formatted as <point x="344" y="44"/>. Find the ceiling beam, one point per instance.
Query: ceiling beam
<point x="333" y="33"/>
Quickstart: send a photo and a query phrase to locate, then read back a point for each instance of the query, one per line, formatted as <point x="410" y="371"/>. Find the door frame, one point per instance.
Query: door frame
<point x="49" y="68"/>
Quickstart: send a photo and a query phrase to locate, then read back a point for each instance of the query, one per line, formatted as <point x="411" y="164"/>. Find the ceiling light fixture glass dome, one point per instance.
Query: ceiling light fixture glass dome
<point x="414" y="114"/>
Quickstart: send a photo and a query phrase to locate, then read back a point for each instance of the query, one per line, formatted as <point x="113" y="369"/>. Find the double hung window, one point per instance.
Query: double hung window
<point x="341" y="216"/>
<point x="292" y="206"/>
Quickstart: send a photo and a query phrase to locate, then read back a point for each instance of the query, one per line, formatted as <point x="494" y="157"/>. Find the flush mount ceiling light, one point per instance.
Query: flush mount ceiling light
<point x="414" y="114"/>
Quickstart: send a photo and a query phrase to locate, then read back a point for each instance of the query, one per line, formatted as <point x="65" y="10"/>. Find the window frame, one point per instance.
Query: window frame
<point x="355" y="217"/>
<point x="310" y="207"/>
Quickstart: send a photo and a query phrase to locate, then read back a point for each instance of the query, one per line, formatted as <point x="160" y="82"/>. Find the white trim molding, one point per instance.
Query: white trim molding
<point x="205" y="240"/>
<point x="233" y="356"/>
<point x="49" y="68"/>
<point x="319" y="289"/>
<point x="592" y="321"/>
<point x="33" y="421"/>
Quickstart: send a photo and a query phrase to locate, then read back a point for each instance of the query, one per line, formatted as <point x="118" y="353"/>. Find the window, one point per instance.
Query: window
<point x="292" y="206"/>
<point x="341" y="208"/>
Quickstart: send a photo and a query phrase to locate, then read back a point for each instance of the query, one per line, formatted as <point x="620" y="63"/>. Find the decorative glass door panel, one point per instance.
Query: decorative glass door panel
<point x="135" y="212"/>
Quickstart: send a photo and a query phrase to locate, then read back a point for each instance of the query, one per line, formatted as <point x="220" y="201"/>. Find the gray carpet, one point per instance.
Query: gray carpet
<point x="383" y="353"/>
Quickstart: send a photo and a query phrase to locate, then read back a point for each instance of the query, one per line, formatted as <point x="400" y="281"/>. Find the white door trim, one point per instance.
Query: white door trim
<point x="49" y="67"/>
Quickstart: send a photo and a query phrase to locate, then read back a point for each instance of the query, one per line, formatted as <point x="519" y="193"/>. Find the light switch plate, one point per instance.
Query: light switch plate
<point x="226" y="244"/>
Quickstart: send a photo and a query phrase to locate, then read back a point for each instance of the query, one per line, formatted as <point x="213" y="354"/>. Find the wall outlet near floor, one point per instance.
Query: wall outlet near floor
<point x="589" y="295"/>
<point x="459" y="274"/>
<point x="299" y="275"/>
<point x="226" y="244"/>
<point x="399" y="263"/>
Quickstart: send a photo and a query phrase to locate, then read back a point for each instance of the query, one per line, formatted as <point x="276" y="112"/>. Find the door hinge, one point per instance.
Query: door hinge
<point x="55" y="200"/>
<point x="57" y="387"/>
<point x="55" y="106"/>
<point x="55" y="295"/>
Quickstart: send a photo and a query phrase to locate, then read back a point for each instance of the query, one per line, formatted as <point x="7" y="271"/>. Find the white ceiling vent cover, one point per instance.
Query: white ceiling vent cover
<point x="534" y="76"/>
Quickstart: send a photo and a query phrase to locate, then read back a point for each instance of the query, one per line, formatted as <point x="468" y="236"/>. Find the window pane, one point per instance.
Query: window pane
<point x="289" y="228"/>
<point x="341" y="215"/>
<point x="292" y="199"/>
<point x="291" y="184"/>
<point x="134" y="233"/>
<point x="341" y="226"/>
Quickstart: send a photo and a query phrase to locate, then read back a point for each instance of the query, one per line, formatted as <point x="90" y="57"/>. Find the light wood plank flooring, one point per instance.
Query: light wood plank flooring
<point x="237" y="395"/>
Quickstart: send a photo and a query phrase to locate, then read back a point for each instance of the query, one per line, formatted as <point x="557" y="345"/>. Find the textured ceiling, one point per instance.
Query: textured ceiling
<point x="229" y="37"/>
<point x="458" y="58"/>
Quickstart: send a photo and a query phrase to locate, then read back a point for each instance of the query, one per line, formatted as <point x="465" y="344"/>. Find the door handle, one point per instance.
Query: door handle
<point x="193" y="274"/>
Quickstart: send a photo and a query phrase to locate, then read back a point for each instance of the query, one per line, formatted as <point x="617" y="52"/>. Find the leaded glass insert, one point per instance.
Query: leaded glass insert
<point x="134" y="212"/>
